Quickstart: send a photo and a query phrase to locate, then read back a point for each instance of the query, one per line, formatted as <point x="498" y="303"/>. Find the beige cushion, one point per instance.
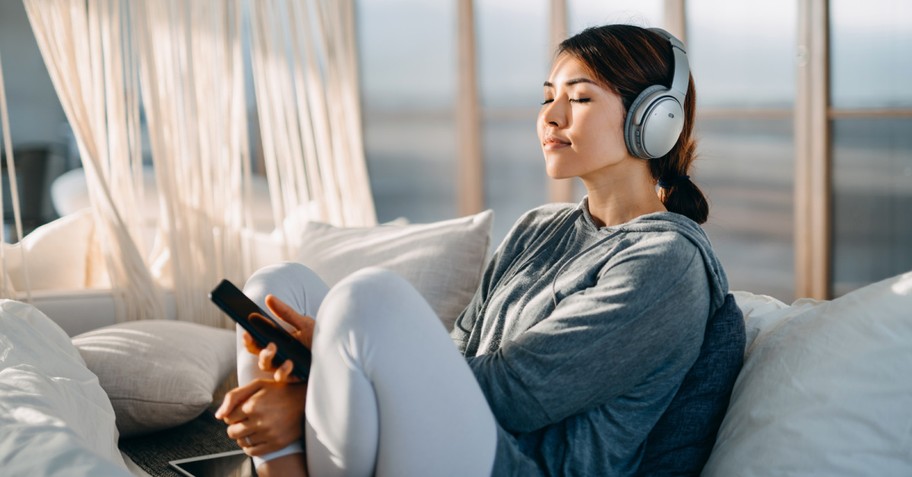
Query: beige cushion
<point x="443" y="260"/>
<point x="158" y="373"/>
<point x="56" y="254"/>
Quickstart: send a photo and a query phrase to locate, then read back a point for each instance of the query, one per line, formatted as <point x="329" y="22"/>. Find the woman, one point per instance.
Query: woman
<point x="586" y="323"/>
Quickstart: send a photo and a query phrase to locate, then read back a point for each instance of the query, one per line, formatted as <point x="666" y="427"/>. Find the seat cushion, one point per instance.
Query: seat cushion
<point x="681" y="441"/>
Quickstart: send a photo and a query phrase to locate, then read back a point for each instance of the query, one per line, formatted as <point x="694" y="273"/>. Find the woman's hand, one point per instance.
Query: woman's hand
<point x="264" y="416"/>
<point x="302" y="330"/>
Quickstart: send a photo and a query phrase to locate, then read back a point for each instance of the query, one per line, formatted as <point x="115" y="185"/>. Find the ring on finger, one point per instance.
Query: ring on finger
<point x="247" y="440"/>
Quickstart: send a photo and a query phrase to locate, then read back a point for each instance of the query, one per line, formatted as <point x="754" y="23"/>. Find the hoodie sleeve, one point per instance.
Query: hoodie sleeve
<point x="521" y="236"/>
<point x="633" y="335"/>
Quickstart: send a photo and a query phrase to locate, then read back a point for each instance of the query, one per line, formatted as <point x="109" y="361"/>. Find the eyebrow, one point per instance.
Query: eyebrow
<point x="572" y="82"/>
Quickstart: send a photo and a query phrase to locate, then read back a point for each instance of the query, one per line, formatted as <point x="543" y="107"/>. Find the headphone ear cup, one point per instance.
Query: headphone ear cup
<point x="660" y="126"/>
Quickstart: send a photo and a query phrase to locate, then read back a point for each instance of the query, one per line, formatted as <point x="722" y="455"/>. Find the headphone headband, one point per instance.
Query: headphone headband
<point x="681" y="66"/>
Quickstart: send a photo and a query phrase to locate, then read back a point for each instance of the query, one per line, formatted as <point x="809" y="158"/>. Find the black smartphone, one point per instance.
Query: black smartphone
<point x="262" y="327"/>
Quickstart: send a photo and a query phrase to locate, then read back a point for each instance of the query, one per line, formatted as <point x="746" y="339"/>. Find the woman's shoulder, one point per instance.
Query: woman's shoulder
<point x="667" y="232"/>
<point x="671" y="245"/>
<point x="535" y="223"/>
<point x="545" y="214"/>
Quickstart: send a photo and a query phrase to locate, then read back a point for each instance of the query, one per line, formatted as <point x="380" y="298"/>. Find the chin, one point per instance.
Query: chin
<point x="560" y="176"/>
<point x="557" y="172"/>
<point x="553" y="170"/>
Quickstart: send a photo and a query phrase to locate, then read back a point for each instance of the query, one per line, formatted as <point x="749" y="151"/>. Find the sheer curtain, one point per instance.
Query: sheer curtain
<point x="81" y="43"/>
<point x="306" y="83"/>
<point x="6" y="287"/>
<point x="185" y="60"/>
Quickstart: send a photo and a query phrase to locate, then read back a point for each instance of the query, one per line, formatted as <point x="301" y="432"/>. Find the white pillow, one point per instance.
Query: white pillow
<point x="56" y="254"/>
<point x="443" y="260"/>
<point x="55" y="419"/>
<point x="158" y="373"/>
<point x="757" y="310"/>
<point x="826" y="389"/>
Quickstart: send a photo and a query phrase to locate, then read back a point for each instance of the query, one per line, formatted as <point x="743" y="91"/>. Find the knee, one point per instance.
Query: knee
<point x="285" y="272"/>
<point x="368" y="297"/>
<point x="291" y="282"/>
<point x="371" y="288"/>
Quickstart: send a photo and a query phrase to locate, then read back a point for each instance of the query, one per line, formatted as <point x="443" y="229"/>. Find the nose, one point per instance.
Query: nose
<point x="555" y="113"/>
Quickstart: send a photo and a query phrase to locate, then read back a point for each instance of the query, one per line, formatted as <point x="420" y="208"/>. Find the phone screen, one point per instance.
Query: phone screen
<point x="261" y="327"/>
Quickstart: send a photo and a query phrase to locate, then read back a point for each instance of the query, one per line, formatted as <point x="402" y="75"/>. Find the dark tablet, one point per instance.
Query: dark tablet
<point x="224" y="464"/>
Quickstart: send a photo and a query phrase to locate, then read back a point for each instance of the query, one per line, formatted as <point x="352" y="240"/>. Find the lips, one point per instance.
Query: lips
<point x="555" y="142"/>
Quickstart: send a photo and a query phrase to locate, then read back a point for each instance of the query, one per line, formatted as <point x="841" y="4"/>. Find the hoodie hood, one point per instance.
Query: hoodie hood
<point x="673" y="222"/>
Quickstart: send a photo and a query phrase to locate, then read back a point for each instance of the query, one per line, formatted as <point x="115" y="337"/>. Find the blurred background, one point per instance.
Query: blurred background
<point x="746" y="59"/>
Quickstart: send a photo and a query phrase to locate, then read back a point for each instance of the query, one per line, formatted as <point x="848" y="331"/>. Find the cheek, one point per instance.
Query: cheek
<point x="612" y="128"/>
<point x="607" y="134"/>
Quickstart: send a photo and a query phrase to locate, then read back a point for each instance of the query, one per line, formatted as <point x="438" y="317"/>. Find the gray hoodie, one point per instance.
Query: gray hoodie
<point x="580" y="335"/>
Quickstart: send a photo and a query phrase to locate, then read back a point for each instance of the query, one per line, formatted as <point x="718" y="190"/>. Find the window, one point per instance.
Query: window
<point x="742" y="63"/>
<point x="870" y="119"/>
<point x="407" y="68"/>
<point x="513" y="62"/>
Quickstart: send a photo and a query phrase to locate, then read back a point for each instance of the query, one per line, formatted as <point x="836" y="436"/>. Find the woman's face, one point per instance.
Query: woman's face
<point x="581" y="123"/>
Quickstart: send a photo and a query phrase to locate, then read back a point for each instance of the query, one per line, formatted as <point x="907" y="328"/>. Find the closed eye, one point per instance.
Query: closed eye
<point x="547" y="101"/>
<point x="580" y="100"/>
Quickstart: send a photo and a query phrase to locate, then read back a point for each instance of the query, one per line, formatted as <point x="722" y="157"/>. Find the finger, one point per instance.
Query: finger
<point x="266" y="357"/>
<point x="235" y="416"/>
<point x="283" y="373"/>
<point x="237" y="396"/>
<point x="304" y="324"/>
<point x="250" y="344"/>
<point x="251" y="447"/>
<point x="240" y="430"/>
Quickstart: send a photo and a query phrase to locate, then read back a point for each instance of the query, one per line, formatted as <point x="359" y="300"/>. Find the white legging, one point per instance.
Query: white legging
<point x="389" y="394"/>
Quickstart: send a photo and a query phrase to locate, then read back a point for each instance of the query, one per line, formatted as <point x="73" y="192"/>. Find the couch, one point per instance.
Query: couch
<point x="826" y="387"/>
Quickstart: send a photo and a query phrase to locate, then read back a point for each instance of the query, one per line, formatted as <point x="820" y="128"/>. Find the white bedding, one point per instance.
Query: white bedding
<point x="55" y="419"/>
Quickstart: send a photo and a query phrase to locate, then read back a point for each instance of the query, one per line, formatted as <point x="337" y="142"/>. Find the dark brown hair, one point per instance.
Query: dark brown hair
<point x="629" y="59"/>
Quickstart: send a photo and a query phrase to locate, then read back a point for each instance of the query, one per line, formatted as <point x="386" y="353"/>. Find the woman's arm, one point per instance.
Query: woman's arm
<point x="522" y="236"/>
<point x="635" y="333"/>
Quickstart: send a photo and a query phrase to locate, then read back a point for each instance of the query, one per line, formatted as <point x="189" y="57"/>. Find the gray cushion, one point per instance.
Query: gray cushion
<point x="682" y="440"/>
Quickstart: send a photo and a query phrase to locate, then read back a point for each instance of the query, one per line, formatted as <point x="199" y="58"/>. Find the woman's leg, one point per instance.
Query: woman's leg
<point x="389" y="394"/>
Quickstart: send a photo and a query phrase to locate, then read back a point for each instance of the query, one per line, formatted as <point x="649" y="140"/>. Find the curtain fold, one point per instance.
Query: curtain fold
<point x="192" y="75"/>
<point x="82" y="47"/>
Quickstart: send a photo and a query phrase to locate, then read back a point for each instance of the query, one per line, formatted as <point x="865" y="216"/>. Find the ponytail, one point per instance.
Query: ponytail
<point x="678" y="193"/>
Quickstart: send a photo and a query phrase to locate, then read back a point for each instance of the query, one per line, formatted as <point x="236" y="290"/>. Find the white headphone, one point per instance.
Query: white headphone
<point x="655" y="119"/>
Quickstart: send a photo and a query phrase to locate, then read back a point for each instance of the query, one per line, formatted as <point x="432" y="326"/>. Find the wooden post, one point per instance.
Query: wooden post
<point x="812" y="154"/>
<point x="470" y="181"/>
<point x="559" y="190"/>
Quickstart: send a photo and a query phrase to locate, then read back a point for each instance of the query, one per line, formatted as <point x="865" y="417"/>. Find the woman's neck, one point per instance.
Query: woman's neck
<point x="617" y="199"/>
